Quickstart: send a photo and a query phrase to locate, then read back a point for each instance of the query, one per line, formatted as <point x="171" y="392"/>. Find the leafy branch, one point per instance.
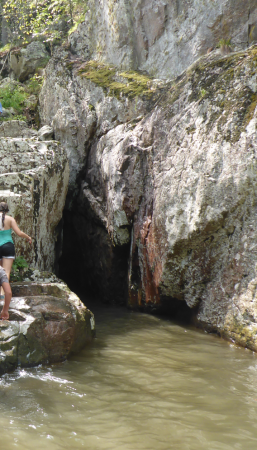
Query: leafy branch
<point x="47" y="19"/>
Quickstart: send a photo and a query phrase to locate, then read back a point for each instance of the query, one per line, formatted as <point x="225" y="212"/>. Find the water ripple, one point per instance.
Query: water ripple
<point x="145" y="384"/>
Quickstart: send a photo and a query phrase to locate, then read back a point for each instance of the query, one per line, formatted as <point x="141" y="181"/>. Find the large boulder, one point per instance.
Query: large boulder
<point x="162" y="37"/>
<point x="47" y="324"/>
<point x="34" y="181"/>
<point x="25" y="61"/>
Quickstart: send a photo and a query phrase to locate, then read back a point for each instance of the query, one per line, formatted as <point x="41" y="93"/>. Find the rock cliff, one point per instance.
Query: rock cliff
<point x="33" y="180"/>
<point x="48" y="322"/>
<point x="167" y="180"/>
<point x="159" y="36"/>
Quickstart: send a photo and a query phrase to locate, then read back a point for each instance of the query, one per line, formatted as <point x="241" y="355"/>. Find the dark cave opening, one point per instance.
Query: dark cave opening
<point x="177" y="311"/>
<point x="71" y="259"/>
<point x="97" y="271"/>
<point x="90" y="265"/>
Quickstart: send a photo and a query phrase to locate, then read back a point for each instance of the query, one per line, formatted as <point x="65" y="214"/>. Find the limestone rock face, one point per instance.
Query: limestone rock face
<point x="162" y="37"/>
<point x="78" y="109"/>
<point x="175" y="189"/>
<point x="45" y="133"/>
<point x="34" y="180"/>
<point x="25" y="61"/>
<point x="47" y="324"/>
<point x="15" y="129"/>
<point x="81" y="113"/>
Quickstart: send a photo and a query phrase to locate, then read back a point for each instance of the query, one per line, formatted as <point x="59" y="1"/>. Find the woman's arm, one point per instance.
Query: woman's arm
<point x="18" y="231"/>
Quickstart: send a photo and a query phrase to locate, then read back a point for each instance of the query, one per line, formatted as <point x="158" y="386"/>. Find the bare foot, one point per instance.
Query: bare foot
<point x="4" y="315"/>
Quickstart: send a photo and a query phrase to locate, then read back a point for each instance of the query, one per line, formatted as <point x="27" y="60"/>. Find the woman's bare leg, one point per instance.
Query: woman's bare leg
<point x="8" y="296"/>
<point x="1" y="289"/>
<point x="7" y="265"/>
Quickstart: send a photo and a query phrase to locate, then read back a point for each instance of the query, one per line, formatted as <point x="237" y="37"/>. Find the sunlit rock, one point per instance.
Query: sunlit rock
<point x="25" y="61"/>
<point x="162" y="37"/>
<point x="47" y="324"/>
<point x="79" y="109"/>
<point x="168" y="196"/>
<point x="45" y="133"/>
<point x="33" y="180"/>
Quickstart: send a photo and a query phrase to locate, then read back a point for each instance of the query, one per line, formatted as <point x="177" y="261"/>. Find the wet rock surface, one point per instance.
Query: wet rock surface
<point x="47" y="324"/>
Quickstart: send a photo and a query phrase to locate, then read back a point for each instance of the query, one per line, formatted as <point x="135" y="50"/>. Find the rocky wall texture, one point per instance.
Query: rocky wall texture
<point x="34" y="180"/>
<point x="173" y="183"/>
<point x="23" y="62"/>
<point x="162" y="37"/>
<point x="75" y="101"/>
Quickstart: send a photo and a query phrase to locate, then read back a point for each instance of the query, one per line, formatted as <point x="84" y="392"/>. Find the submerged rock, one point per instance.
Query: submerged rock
<point x="47" y="324"/>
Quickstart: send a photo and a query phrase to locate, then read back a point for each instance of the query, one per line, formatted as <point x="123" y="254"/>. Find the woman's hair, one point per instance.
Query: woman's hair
<point x="4" y="209"/>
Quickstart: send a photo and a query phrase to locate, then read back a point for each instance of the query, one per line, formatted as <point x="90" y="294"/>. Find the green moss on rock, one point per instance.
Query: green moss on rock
<point x="130" y="84"/>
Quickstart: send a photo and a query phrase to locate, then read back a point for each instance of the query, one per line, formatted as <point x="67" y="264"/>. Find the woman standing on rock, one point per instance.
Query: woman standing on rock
<point x="7" y="250"/>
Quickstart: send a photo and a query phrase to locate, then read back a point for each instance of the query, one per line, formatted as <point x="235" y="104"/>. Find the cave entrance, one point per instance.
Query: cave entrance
<point x="96" y="270"/>
<point x="177" y="311"/>
<point x="90" y="264"/>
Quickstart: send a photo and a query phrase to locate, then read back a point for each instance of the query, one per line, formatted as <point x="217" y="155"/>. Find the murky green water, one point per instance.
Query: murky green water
<point x="145" y="383"/>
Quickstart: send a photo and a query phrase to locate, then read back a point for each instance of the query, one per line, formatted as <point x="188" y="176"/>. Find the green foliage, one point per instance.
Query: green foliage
<point x="224" y="43"/>
<point x="203" y="92"/>
<point x="251" y="34"/>
<point x="19" y="263"/>
<point x="5" y="48"/>
<point x="13" y="97"/>
<point x="17" y="14"/>
<point x="45" y="19"/>
<point x="14" y="117"/>
<point x="18" y="267"/>
<point x="75" y="26"/>
<point x="34" y="84"/>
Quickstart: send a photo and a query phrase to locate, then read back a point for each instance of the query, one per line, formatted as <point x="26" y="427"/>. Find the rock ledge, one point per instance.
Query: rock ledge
<point x="47" y="323"/>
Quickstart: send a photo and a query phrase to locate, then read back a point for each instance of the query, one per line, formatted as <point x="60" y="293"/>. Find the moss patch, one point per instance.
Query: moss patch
<point x="129" y="84"/>
<point x="250" y="110"/>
